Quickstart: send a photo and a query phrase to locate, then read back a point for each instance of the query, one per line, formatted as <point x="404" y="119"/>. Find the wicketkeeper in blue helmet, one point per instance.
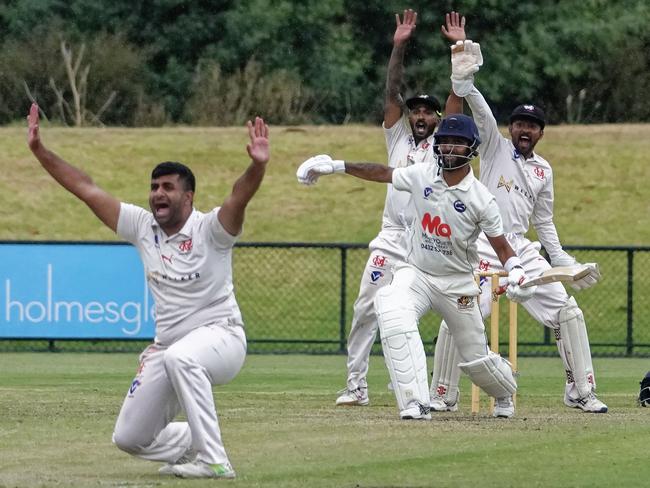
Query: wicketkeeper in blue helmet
<point x="456" y="142"/>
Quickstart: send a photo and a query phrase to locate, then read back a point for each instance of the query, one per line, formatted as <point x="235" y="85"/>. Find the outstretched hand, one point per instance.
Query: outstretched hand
<point x="258" y="148"/>
<point x="33" y="135"/>
<point x="454" y="28"/>
<point x="404" y="29"/>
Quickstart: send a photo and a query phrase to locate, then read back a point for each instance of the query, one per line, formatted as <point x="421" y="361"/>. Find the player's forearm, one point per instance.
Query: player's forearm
<point x="548" y="237"/>
<point x="501" y="248"/>
<point x="71" y="178"/>
<point x="370" y="171"/>
<point x="247" y="184"/>
<point x="395" y="73"/>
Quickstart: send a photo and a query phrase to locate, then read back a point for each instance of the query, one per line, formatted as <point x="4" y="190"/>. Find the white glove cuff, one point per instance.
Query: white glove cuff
<point x="511" y="263"/>
<point x="338" y="166"/>
<point x="462" y="88"/>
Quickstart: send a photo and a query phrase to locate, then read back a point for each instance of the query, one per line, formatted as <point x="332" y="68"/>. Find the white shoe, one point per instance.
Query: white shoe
<point x="199" y="469"/>
<point x="188" y="457"/>
<point x="416" y="411"/>
<point x="590" y="403"/>
<point x="439" y="404"/>
<point x="358" y="397"/>
<point x="504" y="408"/>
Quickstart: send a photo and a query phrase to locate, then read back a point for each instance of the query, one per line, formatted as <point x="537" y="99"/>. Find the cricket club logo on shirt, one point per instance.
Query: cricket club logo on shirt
<point x="379" y="261"/>
<point x="134" y="386"/>
<point x="375" y="276"/>
<point x="539" y="173"/>
<point x="505" y="184"/>
<point x="185" y="246"/>
<point x="427" y="192"/>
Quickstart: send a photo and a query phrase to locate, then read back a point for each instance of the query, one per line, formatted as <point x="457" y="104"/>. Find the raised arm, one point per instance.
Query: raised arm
<point x="231" y="214"/>
<point x="104" y="206"/>
<point x="393" y="104"/>
<point x="454" y="30"/>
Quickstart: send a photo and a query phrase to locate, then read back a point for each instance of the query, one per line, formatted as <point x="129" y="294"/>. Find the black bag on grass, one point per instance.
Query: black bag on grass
<point x="644" y="394"/>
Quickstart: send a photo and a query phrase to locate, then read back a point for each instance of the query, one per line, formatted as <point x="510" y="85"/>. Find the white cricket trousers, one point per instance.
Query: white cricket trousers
<point x="180" y="378"/>
<point x="415" y="290"/>
<point x="363" y="331"/>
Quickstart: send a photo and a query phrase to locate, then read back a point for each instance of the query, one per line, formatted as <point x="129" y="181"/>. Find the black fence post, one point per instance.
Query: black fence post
<point x="630" y="298"/>
<point x="342" y="318"/>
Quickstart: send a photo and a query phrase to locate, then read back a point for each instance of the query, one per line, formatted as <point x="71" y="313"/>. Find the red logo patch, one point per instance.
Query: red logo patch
<point x="379" y="261"/>
<point x="483" y="265"/>
<point x="435" y="226"/>
<point x="185" y="246"/>
<point x="539" y="172"/>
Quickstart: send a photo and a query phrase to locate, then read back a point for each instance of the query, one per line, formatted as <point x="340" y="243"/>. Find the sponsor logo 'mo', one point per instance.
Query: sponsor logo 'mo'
<point x="433" y="225"/>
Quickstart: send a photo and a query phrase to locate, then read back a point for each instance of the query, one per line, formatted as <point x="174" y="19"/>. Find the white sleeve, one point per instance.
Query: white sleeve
<point x="491" y="222"/>
<point x="405" y="178"/>
<point x="131" y="222"/>
<point x="487" y="126"/>
<point x="394" y="135"/>
<point x="542" y="220"/>
<point x="219" y="235"/>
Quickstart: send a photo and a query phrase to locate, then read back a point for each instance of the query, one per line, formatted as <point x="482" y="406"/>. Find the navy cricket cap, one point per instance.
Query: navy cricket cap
<point x="428" y="100"/>
<point x="528" y="111"/>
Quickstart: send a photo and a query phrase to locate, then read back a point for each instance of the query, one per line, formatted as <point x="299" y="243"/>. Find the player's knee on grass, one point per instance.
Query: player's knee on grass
<point x="126" y="440"/>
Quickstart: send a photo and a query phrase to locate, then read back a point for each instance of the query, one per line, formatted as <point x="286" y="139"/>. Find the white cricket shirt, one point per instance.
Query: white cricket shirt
<point x="523" y="187"/>
<point x="448" y="219"/>
<point x="189" y="273"/>
<point x="402" y="152"/>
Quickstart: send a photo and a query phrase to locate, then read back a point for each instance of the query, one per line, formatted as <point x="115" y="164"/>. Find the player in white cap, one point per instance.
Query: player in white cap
<point x="450" y="208"/>
<point x="200" y="339"/>
<point x="408" y="129"/>
<point x="522" y="182"/>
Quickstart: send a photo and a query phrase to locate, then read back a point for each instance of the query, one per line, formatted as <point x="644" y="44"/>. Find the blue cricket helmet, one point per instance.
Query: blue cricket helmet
<point x="459" y="125"/>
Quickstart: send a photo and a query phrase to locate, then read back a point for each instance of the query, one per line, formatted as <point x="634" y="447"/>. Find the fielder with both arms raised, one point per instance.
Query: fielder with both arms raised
<point x="200" y="339"/>
<point x="451" y="208"/>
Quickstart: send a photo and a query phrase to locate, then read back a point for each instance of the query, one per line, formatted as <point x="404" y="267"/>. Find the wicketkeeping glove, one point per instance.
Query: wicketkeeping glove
<point x="582" y="284"/>
<point x="514" y="292"/>
<point x="466" y="59"/>
<point x="588" y="281"/>
<point x="309" y="171"/>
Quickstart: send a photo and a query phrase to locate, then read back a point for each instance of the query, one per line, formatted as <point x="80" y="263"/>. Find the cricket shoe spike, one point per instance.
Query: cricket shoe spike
<point x="199" y="469"/>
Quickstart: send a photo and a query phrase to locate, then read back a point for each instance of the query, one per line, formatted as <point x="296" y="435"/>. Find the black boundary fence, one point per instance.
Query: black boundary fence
<point x="298" y="298"/>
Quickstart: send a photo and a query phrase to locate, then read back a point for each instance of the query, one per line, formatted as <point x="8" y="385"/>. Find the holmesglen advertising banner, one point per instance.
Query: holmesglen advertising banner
<point x="74" y="290"/>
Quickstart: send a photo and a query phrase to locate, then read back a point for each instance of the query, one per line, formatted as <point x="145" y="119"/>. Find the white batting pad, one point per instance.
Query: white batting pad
<point x="403" y="349"/>
<point x="492" y="374"/>
<point x="573" y="344"/>
<point x="446" y="372"/>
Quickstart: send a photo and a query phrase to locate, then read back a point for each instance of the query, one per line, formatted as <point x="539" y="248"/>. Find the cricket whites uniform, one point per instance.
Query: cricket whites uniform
<point x="438" y="274"/>
<point x="386" y="250"/>
<point x="200" y="339"/>
<point x="523" y="188"/>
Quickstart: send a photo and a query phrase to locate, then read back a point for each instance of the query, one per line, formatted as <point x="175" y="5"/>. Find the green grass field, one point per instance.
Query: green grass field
<point x="281" y="429"/>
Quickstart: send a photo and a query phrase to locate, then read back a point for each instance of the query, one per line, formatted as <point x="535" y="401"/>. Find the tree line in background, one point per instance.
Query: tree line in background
<point x="218" y="62"/>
